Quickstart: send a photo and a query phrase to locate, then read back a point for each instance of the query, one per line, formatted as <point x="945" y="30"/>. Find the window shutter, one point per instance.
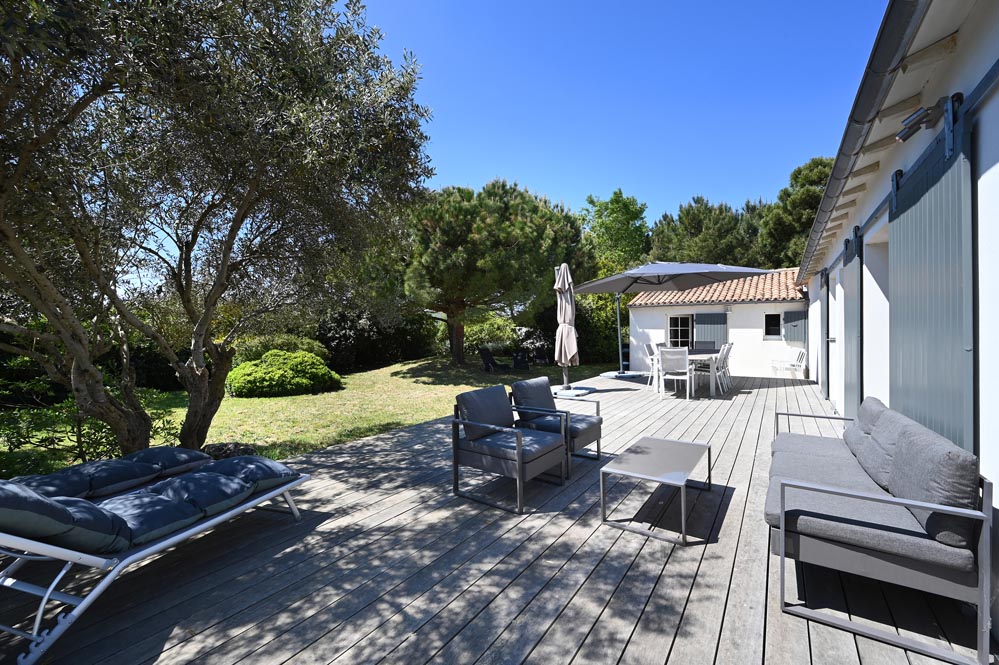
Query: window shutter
<point x="796" y="327"/>
<point x="710" y="328"/>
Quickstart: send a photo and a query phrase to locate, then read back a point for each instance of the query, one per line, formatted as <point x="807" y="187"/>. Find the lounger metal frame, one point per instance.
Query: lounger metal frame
<point x="23" y="550"/>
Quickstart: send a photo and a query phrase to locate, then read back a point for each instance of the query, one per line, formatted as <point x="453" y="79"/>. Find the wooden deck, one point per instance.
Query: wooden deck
<point x="388" y="566"/>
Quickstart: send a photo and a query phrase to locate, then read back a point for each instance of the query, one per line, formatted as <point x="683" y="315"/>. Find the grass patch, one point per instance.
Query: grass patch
<point x="372" y="402"/>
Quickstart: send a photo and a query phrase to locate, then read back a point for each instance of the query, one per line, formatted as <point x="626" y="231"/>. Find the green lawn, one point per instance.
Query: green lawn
<point x="371" y="402"/>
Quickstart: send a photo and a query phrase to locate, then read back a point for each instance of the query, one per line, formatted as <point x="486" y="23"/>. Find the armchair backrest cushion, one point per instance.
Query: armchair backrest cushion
<point x="536" y="393"/>
<point x="870" y="411"/>
<point x="485" y="405"/>
<point x="928" y="467"/>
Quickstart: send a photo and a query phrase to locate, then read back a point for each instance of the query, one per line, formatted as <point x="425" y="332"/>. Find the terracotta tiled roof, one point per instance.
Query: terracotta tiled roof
<point x="776" y="286"/>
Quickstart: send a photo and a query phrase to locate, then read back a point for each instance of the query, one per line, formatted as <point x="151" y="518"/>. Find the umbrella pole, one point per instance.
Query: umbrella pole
<point x="620" y="340"/>
<point x="565" y="378"/>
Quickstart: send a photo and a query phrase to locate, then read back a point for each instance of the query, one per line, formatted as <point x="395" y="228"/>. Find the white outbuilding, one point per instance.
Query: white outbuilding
<point x="764" y="316"/>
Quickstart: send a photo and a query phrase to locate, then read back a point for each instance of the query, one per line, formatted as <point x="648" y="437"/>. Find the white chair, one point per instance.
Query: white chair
<point x="674" y="365"/>
<point x="652" y="357"/>
<point x="721" y="368"/>
<point x="797" y="364"/>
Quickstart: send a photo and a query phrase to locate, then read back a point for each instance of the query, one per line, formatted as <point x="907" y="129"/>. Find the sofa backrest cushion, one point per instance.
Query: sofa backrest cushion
<point x="111" y="476"/>
<point x="211" y="493"/>
<point x="869" y="413"/>
<point x="26" y="513"/>
<point x="94" y="529"/>
<point x="928" y="467"/>
<point x="534" y="393"/>
<point x="65" y="482"/>
<point x="150" y="516"/>
<point x="856" y="439"/>
<point x="486" y="405"/>
<point x="258" y="472"/>
<point x="170" y="460"/>
<point x="877" y="457"/>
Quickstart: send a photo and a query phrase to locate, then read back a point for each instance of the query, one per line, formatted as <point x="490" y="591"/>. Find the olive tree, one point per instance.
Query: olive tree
<point x="207" y="154"/>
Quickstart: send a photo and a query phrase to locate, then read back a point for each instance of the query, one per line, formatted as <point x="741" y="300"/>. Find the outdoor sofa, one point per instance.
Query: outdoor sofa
<point x="107" y="515"/>
<point x="890" y="500"/>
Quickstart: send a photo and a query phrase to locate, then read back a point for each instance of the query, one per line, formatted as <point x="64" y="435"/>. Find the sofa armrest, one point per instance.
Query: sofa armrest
<point x="789" y="415"/>
<point x="878" y="498"/>
<point x="595" y="402"/>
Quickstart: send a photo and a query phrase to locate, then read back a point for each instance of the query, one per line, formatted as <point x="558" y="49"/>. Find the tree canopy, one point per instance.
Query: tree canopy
<point x="618" y="231"/>
<point x="489" y="250"/>
<point x="784" y="224"/>
<point x="191" y="157"/>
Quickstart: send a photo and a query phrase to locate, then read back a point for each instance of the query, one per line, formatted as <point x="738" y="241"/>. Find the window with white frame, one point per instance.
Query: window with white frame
<point x="771" y="326"/>
<point x="680" y="331"/>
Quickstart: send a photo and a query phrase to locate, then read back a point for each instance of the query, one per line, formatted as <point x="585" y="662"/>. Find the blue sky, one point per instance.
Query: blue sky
<point x="665" y="100"/>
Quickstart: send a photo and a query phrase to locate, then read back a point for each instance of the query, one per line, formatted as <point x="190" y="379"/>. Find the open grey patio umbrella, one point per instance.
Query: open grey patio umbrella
<point x="661" y="276"/>
<point x="566" y="349"/>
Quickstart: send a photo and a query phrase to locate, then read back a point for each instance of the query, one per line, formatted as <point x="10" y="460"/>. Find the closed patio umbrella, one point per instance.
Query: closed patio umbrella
<point x="661" y="276"/>
<point x="566" y="349"/>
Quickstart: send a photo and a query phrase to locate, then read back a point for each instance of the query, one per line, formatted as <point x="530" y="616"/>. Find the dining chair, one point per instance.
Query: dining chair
<point x="653" y="359"/>
<point x="674" y="365"/>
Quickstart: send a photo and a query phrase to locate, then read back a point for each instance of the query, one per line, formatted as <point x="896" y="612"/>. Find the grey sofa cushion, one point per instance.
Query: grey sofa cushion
<point x="869" y="413"/>
<point x="843" y="472"/>
<point x="583" y="429"/>
<point x="151" y="516"/>
<point x="856" y="439"/>
<point x="875" y="526"/>
<point x="928" y="467"/>
<point x="504" y="444"/>
<point x="65" y="482"/>
<point x="26" y="513"/>
<point x="258" y="472"/>
<point x="211" y="493"/>
<point x="486" y="405"/>
<point x="533" y="392"/>
<point x="94" y="529"/>
<point x="821" y="446"/>
<point x="115" y="475"/>
<point x="170" y="460"/>
<point x="877" y="456"/>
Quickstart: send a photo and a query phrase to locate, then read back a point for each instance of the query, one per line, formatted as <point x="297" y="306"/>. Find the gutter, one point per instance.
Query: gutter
<point x="898" y="30"/>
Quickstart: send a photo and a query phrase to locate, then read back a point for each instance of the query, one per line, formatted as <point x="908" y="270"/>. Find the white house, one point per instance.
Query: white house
<point x="900" y="265"/>
<point x="764" y="316"/>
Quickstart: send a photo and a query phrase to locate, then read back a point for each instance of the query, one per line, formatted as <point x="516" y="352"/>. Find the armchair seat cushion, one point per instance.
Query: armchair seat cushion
<point x="882" y="527"/>
<point x="504" y="444"/>
<point x="817" y="446"/>
<point x="583" y="429"/>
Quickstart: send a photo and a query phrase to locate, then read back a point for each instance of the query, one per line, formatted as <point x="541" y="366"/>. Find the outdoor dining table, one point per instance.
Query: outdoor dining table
<point x="709" y="356"/>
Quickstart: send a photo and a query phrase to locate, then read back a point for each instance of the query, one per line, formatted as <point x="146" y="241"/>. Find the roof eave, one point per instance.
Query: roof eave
<point x="898" y="30"/>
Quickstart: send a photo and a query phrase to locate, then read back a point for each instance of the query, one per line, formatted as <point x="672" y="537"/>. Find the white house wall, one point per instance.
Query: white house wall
<point x="752" y="355"/>
<point x="977" y="50"/>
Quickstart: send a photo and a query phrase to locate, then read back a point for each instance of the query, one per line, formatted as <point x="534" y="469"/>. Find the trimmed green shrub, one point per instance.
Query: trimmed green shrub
<point x="280" y="373"/>
<point x="254" y="348"/>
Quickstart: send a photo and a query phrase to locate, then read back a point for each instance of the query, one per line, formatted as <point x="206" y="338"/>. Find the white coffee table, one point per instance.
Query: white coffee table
<point x="662" y="461"/>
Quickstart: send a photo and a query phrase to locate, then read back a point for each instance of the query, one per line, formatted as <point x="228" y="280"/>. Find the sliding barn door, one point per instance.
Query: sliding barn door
<point x="931" y="273"/>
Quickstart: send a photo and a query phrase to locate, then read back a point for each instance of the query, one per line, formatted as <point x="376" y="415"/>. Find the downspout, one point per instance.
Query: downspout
<point x="898" y="30"/>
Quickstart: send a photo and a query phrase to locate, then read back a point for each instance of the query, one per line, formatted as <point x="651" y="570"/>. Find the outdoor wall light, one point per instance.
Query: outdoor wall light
<point x="922" y="117"/>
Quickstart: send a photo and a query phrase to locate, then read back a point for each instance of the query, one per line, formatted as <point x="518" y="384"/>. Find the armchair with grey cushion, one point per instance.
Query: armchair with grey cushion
<point x="536" y="408"/>
<point x="484" y="437"/>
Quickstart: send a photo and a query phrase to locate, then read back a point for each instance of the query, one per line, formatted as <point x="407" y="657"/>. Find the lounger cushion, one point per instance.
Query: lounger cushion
<point x="116" y="475"/>
<point x="258" y="472"/>
<point x="486" y="405"/>
<point x="583" y="429"/>
<point x="171" y="460"/>
<point x="869" y="413"/>
<point x="26" y="513"/>
<point x="877" y="526"/>
<point x="504" y="444"/>
<point x="876" y="457"/>
<point x="928" y="467"/>
<point x="533" y="392"/>
<point x="211" y="493"/>
<point x="820" y="446"/>
<point x="65" y="482"/>
<point x="150" y="516"/>
<point x="94" y="529"/>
